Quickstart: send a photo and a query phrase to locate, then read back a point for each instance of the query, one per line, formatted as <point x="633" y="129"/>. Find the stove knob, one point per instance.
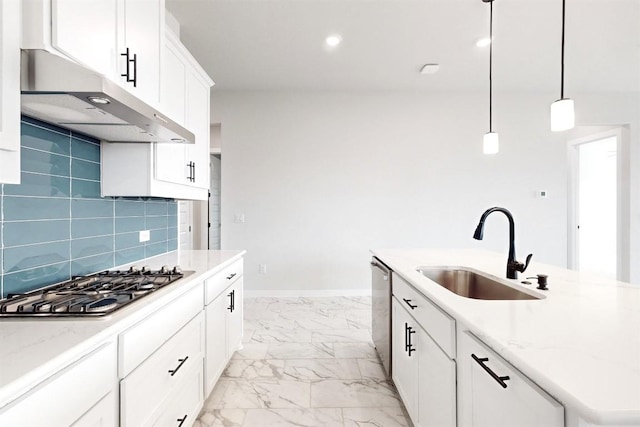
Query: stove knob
<point x="164" y="269"/>
<point x="177" y="270"/>
<point x="146" y="269"/>
<point x="133" y="269"/>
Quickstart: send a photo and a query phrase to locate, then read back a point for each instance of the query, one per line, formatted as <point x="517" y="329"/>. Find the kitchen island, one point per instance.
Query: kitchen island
<point x="580" y="342"/>
<point x="35" y="350"/>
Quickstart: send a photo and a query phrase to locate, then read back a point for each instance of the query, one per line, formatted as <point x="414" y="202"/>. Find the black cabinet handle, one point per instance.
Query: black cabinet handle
<point x="408" y="346"/>
<point x="231" y="276"/>
<point x="129" y="61"/>
<point x="194" y="172"/>
<point x="499" y="379"/>
<point x="231" y="300"/>
<point x="174" y="371"/>
<point x="182" y="420"/>
<point x="408" y="301"/>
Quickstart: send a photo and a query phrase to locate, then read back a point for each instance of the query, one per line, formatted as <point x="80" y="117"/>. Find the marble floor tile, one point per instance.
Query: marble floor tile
<point x="221" y="418"/>
<point x="252" y="351"/>
<point x="355" y="350"/>
<point x="353" y="394"/>
<point x="322" y="369"/>
<point x="300" y="351"/>
<point x="372" y="369"/>
<point x="305" y="362"/>
<point x="374" y="417"/>
<point x="261" y="393"/>
<point x="325" y="417"/>
<point x="252" y="369"/>
<point x="341" y="335"/>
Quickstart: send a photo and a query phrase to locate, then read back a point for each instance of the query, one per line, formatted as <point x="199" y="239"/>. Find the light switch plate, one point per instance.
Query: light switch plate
<point x="145" y="235"/>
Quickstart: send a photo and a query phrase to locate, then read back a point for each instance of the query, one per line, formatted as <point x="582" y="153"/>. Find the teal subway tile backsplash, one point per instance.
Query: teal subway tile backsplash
<point x="55" y="224"/>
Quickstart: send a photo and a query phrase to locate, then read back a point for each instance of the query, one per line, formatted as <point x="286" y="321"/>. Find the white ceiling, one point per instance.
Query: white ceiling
<point x="278" y="44"/>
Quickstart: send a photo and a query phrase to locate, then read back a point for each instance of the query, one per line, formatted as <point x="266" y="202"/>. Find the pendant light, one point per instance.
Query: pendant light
<point x="562" y="111"/>
<point x="490" y="142"/>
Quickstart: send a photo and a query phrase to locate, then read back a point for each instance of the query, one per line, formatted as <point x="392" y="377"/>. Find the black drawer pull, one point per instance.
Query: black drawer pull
<point x="231" y="276"/>
<point x="182" y="420"/>
<point x="408" y="301"/>
<point x="174" y="371"/>
<point x="500" y="380"/>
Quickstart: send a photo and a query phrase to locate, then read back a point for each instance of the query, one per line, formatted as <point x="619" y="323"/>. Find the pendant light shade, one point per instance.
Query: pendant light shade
<point x="562" y="110"/>
<point x="562" y="115"/>
<point x="490" y="143"/>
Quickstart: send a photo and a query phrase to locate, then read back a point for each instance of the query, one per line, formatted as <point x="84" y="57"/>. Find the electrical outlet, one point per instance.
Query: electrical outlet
<point x="262" y="268"/>
<point x="145" y="235"/>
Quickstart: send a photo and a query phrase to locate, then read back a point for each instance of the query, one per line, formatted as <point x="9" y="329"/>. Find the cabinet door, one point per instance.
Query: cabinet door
<point x="405" y="363"/>
<point x="140" y="30"/>
<point x="85" y="30"/>
<point x="197" y="121"/>
<point x="437" y="384"/>
<point x="234" y="317"/>
<point x="216" y="341"/>
<point x="10" y="30"/>
<point x="103" y="414"/>
<point x="515" y="402"/>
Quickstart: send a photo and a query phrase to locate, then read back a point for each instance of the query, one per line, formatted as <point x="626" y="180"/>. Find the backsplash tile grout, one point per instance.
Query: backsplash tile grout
<point x="56" y="224"/>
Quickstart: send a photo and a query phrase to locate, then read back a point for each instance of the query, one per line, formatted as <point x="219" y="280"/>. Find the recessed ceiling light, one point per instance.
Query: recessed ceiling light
<point x="483" y="42"/>
<point x="430" y="68"/>
<point x="333" y="40"/>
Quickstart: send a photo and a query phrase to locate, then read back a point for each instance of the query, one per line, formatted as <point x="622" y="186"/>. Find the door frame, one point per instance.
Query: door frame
<point x="622" y="198"/>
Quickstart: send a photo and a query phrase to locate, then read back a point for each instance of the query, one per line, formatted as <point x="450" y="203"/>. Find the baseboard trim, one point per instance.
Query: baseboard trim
<point x="285" y="293"/>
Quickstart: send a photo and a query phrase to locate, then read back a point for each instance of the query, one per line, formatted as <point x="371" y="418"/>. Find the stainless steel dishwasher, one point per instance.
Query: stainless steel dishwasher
<point x="381" y="311"/>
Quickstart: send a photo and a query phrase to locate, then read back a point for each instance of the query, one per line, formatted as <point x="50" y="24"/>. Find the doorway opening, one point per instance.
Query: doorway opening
<point x="214" y="201"/>
<point x="598" y="212"/>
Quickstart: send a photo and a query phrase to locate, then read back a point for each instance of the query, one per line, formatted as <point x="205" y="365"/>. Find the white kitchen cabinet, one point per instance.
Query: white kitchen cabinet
<point x="404" y="359"/>
<point x="159" y="357"/>
<point x="103" y="413"/>
<point x="494" y="394"/>
<point x="223" y="312"/>
<point x="423" y="372"/>
<point x="10" y="29"/>
<point x="184" y="95"/>
<point x="83" y="385"/>
<point x="140" y="35"/>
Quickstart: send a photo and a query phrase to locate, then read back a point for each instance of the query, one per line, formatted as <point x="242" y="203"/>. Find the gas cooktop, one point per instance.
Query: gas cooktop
<point x="93" y="295"/>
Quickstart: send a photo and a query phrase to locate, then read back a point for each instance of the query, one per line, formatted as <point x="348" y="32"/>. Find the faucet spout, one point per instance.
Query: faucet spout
<point x="513" y="266"/>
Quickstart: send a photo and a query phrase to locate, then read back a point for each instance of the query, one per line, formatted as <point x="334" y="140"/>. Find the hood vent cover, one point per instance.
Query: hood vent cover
<point x="59" y="91"/>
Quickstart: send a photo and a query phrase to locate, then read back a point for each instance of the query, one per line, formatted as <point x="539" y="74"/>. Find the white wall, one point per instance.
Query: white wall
<point x="323" y="177"/>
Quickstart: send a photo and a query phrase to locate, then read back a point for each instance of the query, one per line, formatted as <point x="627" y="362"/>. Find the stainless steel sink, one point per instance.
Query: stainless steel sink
<point x="473" y="284"/>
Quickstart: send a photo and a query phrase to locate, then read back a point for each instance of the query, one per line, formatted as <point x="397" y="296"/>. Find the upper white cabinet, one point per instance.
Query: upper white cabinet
<point x="120" y="39"/>
<point x="10" y="25"/>
<point x="140" y="35"/>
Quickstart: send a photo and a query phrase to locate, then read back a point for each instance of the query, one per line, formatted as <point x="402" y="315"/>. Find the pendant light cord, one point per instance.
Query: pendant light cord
<point x="562" y="55"/>
<point x="490" y="61"/>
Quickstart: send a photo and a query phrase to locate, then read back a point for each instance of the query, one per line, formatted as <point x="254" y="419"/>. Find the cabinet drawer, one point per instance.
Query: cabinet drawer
<point x="221" y="281"/>
<point x="500" y="395"/>
<point x="143" y="391"/>
<point x="438" y="324"/>
<point x="142" y="339"/>
<point x="183" y="408"/>
<point x="81" y="385"/>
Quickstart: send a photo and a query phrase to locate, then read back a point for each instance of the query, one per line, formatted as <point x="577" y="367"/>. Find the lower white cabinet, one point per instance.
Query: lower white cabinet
<point x="224" y="324"/>
<point x="86" y="387"/>
<point x="423" y="374"/>
<point x="495" y="394"/>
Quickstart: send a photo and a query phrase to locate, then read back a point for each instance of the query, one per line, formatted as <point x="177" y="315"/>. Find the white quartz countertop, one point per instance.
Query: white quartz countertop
<point x="32" y="349"/>
<point x="581" y="343"/>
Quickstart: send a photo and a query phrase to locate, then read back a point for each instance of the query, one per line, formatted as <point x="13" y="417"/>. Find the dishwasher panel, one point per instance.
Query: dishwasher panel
<point x="381" y="311"/>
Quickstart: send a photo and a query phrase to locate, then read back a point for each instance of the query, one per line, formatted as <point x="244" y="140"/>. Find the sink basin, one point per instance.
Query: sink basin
<point x="473" y="284"/>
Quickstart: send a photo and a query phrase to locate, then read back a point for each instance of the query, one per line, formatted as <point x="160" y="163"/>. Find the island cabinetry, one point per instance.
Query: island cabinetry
<point x="10" y="24"/>
<point x="493" y="393"/>
<point x="223" y="313"/>
<point x="423" y="371"/>
<point x="84" y="392"/>
<point x="161" y="361"/>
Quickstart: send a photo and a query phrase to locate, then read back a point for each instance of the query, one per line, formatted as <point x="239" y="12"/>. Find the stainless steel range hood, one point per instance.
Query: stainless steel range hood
<point x="59" y="91"/>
